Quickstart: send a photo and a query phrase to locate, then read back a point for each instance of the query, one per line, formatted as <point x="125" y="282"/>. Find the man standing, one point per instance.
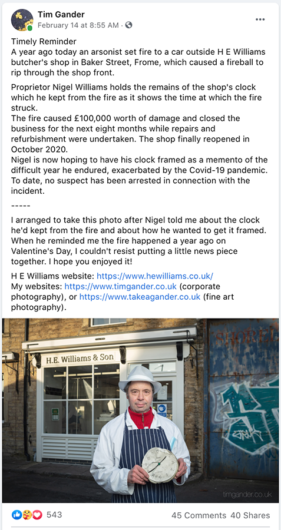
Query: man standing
<point x="124" y="441"/>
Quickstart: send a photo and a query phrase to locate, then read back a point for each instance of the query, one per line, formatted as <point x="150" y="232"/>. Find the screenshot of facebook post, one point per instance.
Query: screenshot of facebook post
<point x="140" y="412"/>
<point x="140" y="159"/>
<point x="140" y="175"/>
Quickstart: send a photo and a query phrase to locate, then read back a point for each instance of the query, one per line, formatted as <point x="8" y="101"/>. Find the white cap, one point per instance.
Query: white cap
<point x="140" y="373"/>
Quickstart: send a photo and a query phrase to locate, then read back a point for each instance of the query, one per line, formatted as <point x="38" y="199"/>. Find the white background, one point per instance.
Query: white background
<point x="252" y="274"/>
<point x="96" y="516"/>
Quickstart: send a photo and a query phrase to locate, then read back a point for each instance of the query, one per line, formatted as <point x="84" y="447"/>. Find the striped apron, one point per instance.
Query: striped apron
<point x="136" y="443"/>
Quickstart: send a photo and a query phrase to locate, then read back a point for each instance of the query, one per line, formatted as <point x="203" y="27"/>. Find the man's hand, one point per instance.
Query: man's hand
<point x="182" y="468"/>
<point x="137" y="475"/>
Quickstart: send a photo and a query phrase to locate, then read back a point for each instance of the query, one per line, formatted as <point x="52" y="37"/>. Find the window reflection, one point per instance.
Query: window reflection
<point x="165" y="392"/>
<point x="55" y="383"/>
<point x="104" y="321"/>
<point x="157" y="367"/>
<point x="80" y="417"/>
<point x="80" y="382"/>
<point x="106" y="381"/>
<point x="162" y="367"/>
<point x="55" y="417"/>
<point x="104" y="412"/>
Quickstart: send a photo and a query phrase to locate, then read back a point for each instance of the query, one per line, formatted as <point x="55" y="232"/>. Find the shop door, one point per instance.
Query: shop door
<point x="164" y="402"/>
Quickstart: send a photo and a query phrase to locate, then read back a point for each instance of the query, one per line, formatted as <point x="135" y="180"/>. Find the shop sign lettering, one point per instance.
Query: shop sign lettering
<point x="65" y="359"/>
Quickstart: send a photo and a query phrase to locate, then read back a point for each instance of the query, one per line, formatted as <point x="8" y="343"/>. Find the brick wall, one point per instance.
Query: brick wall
<point x="193" y="400"/>
<point x="13" y="439"/>
<point x="63" y="327"/>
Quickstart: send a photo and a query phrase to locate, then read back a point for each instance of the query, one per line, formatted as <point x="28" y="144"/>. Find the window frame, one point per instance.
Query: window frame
<point x="93" y="325"/>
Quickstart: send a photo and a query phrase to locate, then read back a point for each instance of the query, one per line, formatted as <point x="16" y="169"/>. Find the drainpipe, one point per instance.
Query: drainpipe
<point x="25" y="386"/>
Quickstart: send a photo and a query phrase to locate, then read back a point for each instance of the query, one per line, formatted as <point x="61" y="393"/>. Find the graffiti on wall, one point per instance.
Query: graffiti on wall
<point x="248" y="415"/>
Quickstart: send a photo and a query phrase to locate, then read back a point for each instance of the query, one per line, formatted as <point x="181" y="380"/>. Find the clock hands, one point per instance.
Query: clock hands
<point x="158" y="464"/>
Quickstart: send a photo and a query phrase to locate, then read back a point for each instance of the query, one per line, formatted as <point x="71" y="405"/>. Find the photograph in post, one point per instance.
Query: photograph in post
<point x="140" y="410"/>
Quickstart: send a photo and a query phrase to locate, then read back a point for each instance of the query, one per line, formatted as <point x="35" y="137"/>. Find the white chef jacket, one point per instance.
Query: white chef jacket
<point x="105" y="465"/>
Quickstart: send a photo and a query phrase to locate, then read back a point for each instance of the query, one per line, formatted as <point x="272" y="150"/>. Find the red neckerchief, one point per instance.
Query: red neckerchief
<point x="142" y="419"/>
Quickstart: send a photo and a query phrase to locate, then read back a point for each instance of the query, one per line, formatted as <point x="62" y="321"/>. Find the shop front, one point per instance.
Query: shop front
<point x="77" y="385"/>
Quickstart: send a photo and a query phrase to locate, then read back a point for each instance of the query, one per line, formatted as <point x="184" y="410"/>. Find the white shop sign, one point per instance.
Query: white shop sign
<point x="80" y="358"/>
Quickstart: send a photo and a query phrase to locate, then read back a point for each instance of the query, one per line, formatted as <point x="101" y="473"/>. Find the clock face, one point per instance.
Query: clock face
<point x="160" y="464"/>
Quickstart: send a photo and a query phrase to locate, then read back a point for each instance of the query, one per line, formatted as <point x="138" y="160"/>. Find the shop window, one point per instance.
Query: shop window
<point x="107" y="321"/>
<point x="80" y="399"/>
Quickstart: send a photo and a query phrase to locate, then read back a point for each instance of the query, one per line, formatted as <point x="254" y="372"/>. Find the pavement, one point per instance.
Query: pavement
<point x="69" y="482"/>
<point x="51" y="469"/>
<point x="56" y="469"/>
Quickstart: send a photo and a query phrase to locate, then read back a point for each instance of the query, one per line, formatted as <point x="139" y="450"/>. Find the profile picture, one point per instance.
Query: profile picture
<point x="22" y="20"/>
